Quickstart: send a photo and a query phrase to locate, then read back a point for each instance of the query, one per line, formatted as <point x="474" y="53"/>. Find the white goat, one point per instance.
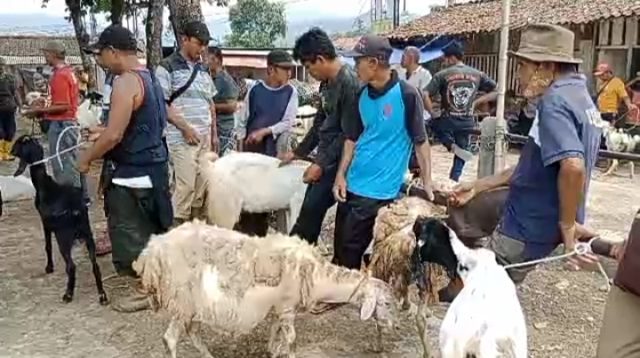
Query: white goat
<point x="252" y="183"/>
<point x="486" y="318"/>
<point x="230" y="281"/>
<point x="617" y="140"/>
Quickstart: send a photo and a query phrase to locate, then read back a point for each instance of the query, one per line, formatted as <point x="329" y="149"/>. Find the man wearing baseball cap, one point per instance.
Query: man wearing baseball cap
<point x="377" y="148"/>
<point x="270" y="110"/>
<point x="61" y="114"/>
<point x="137" y="195"/>
<point x="189" y="92"/>
<point x="611" y="91"/>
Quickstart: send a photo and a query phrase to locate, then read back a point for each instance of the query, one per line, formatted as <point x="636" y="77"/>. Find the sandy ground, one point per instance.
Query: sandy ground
<point x="563" y="309"/>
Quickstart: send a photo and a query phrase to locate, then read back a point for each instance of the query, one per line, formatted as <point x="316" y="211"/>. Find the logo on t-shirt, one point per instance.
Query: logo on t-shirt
<point x="387" y="110"/>
<point x="461" y="93"/>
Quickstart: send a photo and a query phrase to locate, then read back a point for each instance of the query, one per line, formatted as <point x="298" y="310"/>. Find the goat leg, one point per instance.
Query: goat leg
<point x="612" y="168"/>
<point x="631" y="170"/>
<point x="47" y="249"/>
<point x="91" y="249"/>
<point x="283" y="334"/>
<point x="422" y="316"/>
<point x="65" y="244"/>
<point x="172" y="337"/>
<point x="196" y="340"/>
<point x="379" y="347"/>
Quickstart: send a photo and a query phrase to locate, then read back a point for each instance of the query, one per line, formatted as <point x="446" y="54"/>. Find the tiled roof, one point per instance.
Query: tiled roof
<point x="485" y="15"/>
<point x="345" y="43"/>
<point x="30" y="46"/>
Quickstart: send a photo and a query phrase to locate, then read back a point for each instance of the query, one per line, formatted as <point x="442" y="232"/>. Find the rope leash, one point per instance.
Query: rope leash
<point x="59" y="152"/>
<point x="580" y="249"/>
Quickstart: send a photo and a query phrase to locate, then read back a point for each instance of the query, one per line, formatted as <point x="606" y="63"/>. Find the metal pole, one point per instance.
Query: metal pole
<point x="501" y="125"/>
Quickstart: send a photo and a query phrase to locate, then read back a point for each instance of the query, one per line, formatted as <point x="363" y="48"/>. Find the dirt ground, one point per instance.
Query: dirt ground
<point x="563" y="309"/>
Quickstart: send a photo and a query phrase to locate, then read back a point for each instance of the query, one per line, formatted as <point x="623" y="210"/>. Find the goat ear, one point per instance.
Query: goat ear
<point x="368" y="307"/>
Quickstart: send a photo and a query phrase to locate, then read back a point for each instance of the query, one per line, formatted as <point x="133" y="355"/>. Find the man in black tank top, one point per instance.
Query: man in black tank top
<point x="137" y="193"/>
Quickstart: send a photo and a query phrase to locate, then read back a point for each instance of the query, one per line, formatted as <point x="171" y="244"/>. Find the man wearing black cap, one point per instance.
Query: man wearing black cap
<point x="270" y="110"/>
<point x="137" y="194"/>
<point x="376" y="149"/>
<point x="458" y="86"/>
<point x="189" y="92"/>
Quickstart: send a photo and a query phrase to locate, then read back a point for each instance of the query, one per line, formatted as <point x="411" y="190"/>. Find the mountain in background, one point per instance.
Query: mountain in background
<point x="43" y="25"/>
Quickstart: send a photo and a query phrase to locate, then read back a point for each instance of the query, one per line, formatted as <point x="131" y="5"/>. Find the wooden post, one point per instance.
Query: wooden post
<point x="486" y="156"/>
<point x="501" y="125"/>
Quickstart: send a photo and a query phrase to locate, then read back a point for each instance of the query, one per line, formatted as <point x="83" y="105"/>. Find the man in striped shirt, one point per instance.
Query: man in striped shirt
<point x="192" y="130"/>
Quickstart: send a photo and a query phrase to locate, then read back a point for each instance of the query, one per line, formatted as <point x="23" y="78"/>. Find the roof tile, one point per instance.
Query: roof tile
<point x="32" y="45"/>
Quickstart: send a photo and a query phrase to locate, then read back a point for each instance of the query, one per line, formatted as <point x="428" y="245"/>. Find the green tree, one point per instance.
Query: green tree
<point x="256" y="23"/>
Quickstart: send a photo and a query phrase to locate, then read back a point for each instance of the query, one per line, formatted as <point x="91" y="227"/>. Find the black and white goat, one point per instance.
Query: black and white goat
<point x="485" y="319"/>
<point x="63" y="213"/>
<point x="621" y="140"/>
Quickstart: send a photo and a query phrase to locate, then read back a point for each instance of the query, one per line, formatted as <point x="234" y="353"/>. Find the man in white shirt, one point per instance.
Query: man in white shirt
<point x="416" y="75"/>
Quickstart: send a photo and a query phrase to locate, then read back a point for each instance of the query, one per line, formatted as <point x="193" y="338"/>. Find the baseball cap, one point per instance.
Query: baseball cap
<point x="54" y="46"/>
<point x="198" y="30"/>
<point x="602" y="68"/>
<point x="371" y="46"/>
<point x="280" y="58"/>
<point x="116" y="37"/>
<point x="453" y="48"/>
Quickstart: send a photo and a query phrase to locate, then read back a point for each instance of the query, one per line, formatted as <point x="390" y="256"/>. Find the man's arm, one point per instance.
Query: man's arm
<point x="243" y="118"/>
<point x="227" y="97"/>
<point x="347" y="155"/>
<point x="494" y="181"/>
<point x="433" y="88"/>
<point x="289" y="117"/>
<point x="415" y="126"/>
<point x="571" y="180"/>
<point x="488" y="86"/>
<point x="126" y="94"/>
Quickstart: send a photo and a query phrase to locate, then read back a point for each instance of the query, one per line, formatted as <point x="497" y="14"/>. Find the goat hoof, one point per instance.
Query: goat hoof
<point x="103" y="299"/>
<point x="66" y="298"/>
<point x="48" y="269"/>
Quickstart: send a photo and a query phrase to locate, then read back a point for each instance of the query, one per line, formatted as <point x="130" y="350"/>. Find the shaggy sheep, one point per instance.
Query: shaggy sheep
<point x="252" y="183"/>
<point x="394" y="259"/>
<point x="230" y="281"/>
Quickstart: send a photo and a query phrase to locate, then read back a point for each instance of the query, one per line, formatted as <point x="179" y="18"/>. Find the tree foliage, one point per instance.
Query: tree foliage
<point x="256" y="23"/>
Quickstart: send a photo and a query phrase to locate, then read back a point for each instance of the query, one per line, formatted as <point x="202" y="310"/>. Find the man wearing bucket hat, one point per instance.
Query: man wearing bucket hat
<point x="547" y="189"/>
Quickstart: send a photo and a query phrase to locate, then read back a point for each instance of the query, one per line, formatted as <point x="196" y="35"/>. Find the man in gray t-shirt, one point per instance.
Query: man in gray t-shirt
<point x="226" y="100"/>
<point x="458" y="86"/>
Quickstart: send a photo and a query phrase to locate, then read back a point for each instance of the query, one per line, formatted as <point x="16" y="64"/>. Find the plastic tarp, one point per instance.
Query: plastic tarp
<point x="16" y="188"/>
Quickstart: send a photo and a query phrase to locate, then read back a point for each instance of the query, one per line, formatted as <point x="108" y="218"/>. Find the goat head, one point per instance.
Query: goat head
<point x="28" y="151"/>
<point x="434" y="244"/>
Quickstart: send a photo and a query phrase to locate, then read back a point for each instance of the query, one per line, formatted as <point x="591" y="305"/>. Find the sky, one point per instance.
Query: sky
<point x="302" y="8"/>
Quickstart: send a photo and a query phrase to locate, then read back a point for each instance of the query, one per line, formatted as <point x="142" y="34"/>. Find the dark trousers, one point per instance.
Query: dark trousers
<point x="7" y="125"/>
<point x="317" y="201"/>
<point x="355" y="219"/>
<point x="133" y="216"/>
<point x="256" y="224"/>
<point x="450" y="130"/>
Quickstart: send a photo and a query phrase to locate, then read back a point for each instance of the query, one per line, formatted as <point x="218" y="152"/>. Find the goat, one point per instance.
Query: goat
<point x="231" y="281"/>
<point x="252" y="183"/>
<point x="620" y="140"/>
<point x="486" y="318"/>
<point x="63" y="213"/>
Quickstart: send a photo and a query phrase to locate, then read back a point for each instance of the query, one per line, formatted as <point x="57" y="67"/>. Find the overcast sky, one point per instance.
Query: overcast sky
<point x="311" y="8"/>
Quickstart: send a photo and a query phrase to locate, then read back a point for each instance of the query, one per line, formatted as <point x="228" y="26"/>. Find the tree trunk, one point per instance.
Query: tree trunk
<point x="181" y="12"/>
<point x="117" y="10"/>
<point x="75" y="14"/>
<point x="153" y="31"/>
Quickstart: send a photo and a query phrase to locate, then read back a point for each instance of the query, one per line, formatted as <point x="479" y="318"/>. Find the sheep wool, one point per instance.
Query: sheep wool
<point x="253" y="183"/>
<point x="231" y="281"/>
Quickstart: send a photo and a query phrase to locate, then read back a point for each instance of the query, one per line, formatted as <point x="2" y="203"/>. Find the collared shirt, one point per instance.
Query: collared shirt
<point x="63" y="88"/>
<point x="611" y="94"/>
<point x="195" y="103"/>
<point x="565" y="126"/>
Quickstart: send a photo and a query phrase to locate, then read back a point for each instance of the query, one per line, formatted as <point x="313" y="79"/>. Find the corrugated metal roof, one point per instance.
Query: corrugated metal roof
<point x="484" y="16"/>
<point x="36" y="60"/>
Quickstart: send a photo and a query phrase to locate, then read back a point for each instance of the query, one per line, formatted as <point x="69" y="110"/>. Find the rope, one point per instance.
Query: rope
<point x="59" y="152"/>
<point x="580" y="249"/>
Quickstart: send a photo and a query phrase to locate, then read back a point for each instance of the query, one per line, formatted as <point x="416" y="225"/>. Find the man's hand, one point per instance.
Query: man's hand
<point x="257" y="136"/>
<point x="92" y="134"/>
<point x="312" y="174"/>
<point x="340" y="188"/>
<point x="190" y="135"/>
<point x="286" y="158"/>
<point x="571" y="234"/>
<point x="462" y="194"/>
<point x="84" y="164"/>
<point x="427" y="186"/>
<point x="617" y="250"/>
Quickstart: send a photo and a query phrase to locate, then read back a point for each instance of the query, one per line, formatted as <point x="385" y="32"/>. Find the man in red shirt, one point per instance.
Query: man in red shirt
<point x="61" y="114"/>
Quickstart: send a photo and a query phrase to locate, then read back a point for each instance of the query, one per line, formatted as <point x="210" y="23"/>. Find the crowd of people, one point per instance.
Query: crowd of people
<point x="370" y="124"/>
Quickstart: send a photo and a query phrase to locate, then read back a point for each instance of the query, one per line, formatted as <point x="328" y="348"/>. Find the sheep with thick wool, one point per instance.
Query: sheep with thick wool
<point x="231" y="281"/>
<point x="394" y="257"/>
<point x="253" y="183"/>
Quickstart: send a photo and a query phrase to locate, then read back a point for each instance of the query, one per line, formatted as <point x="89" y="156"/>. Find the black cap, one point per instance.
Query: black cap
<point x="198" y="30"/>
<point x="453" y="48"/>
<point x="371" y="46"/>
<point x="280" y="58"/>
<point x="116" y="37"/>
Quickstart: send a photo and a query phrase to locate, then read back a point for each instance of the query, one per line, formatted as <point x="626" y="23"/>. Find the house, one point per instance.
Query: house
<point x="606" y="30"/>
<point x="248" y="63"/>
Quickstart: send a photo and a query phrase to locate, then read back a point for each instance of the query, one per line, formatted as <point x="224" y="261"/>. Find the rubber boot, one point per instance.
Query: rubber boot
<point x="7" y="150"/>
<point x="3" y="153"/>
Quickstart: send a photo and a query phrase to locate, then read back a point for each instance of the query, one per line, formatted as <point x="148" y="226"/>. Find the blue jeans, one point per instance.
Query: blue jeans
<point x="67" y="174"/>
<point x="456" y="131"/>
